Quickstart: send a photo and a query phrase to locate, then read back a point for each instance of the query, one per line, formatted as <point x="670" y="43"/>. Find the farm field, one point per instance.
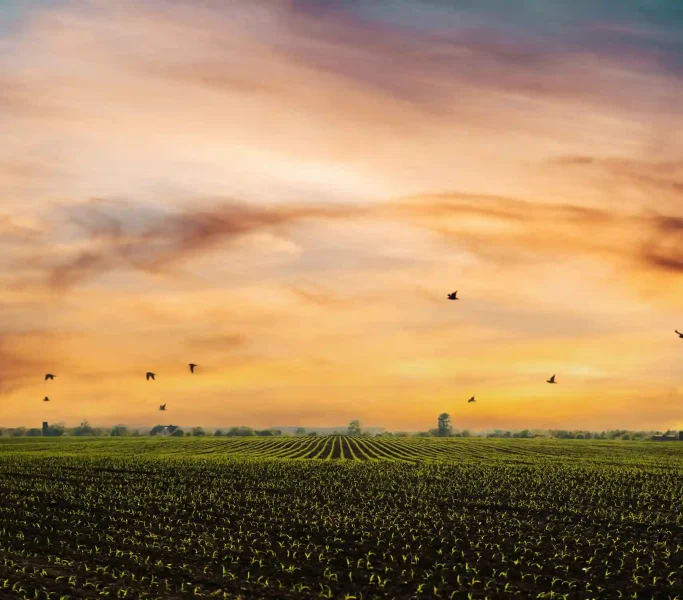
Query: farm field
<point x="338" y="517"/>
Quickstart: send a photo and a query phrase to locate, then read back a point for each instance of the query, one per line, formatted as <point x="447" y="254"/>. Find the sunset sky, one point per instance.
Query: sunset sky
<point x="285" y="191"/>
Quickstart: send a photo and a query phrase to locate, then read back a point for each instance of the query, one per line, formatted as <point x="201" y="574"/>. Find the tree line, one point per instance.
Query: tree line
<point x="444" y="428"/>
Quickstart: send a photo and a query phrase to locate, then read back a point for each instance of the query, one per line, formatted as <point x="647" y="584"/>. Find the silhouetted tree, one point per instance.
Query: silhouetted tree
<point x="55" y="430"/>
<point x="83" y="429"/>
<point x="300" y="431"/>
<point x="198" y="431"/>
<point x="354" y="428"/>
<point x="218" y="433"/>
<point x="34" y="432"/>
<point x="268" y="432"/>
<point x="443" y="426"/>
<point x="239" y="431"/>
<point x="312" y="433"/>
<point x="119" y="431"/>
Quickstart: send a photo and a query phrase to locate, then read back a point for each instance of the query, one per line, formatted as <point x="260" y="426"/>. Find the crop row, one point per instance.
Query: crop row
<point x="410" y="450"/>
<point x="177" y="526"/>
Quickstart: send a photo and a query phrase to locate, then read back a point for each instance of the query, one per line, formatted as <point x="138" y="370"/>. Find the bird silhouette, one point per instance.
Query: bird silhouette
<point x="453" y="296"/>
<point x="46" y="399"/>
<point x="162" y="407"/>
<point x="471" y="400"/>
<point x="192" y="366"/>
<point x="149" y="376"/>
<point x="552" y="379"/>
<point x="49" y="376"/>
<point x="680" y="335"/>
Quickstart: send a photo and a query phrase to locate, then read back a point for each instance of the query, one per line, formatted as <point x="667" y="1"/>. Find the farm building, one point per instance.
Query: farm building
<point x="668" y="437"/>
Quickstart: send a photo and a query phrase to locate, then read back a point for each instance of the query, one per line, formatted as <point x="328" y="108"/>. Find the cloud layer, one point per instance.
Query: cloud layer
<point x="284" y="192"/>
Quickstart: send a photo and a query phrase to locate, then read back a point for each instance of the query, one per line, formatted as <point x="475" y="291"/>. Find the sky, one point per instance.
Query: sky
<point x="285" y="191"/>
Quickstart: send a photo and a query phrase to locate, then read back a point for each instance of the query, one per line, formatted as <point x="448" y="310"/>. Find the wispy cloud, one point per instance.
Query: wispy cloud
<point x="287" y="190"/>
<point x="112" y="241"/>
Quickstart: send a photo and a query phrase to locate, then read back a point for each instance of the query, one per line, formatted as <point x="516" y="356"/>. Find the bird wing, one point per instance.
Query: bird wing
<point x="678" y="332"/>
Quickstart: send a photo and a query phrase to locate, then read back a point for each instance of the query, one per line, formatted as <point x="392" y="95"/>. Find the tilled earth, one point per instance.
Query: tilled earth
<point x="205" y="524"/>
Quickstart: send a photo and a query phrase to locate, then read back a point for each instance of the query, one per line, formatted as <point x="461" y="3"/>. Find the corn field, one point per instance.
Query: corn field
<point x="339" y="517"/>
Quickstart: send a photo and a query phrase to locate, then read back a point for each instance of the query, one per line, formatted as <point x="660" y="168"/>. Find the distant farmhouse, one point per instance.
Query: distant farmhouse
<point x="668" y="437"/>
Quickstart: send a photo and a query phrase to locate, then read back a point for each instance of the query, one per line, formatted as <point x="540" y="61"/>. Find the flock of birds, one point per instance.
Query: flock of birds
<point x="149" y="375"/>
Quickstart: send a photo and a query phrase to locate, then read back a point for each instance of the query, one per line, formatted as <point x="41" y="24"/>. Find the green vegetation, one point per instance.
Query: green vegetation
<point x="339" y="517"/>
<point x="444" y="428"/>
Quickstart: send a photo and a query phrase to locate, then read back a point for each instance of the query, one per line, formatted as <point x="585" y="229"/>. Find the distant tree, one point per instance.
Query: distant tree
<point x="18" y="431"/>
<point x="178" y="432"/>
<point x="119" y="431"/>
<point x="465" y="433"/>
<point x="300" y="431"/>
<point x="312" y="434"/>
<point x="239" y="431"/>
<point x="135" y="433"/>
<point x="218" y="433"/>
<point x="198" y="431"/>
<point x="56" y="430"/>
<point x="34" y="432"/>
<point x="444" y="427"/>
<point x="187" y="434"/>
<point x="83" y="429"/>
<point x="263" y="432"/>
<point x="354" y="428"/>
<point x="276" y="431"/>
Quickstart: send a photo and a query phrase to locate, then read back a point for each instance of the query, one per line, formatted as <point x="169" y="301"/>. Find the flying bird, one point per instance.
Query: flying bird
<point x="453" y="296"/>
<point x="46" y="399"/>
<point x="192" y="366"/>
<point x="162" y="407"/>
<point x="680" y="335"/>
<point x="552" y="379"/>
<point x="149" y="376"/>
<point x="471" y="400"/>
<point x="51" y="376"/>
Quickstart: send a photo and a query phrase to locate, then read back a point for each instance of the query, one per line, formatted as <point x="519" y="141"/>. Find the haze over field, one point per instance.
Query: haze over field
<point x="284" y="192"/>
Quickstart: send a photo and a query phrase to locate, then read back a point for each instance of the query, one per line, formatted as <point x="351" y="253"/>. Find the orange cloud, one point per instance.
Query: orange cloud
<point x="376" y="169"/>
